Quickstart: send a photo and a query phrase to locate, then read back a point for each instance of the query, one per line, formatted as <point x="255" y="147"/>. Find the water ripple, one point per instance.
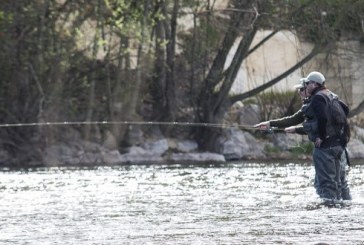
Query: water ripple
<point x="245" y="203"/>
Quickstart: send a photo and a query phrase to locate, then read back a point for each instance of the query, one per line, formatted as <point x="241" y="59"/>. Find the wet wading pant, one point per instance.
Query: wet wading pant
<point x="345" y="190"/>
<point x="330" y="181"/>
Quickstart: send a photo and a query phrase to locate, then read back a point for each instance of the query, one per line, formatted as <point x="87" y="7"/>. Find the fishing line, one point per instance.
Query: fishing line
<point x="270" y="130"/>
<point x="188" y="124"/>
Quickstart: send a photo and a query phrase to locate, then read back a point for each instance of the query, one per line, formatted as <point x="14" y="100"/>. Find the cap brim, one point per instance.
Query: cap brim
<point x="297" y="86"/>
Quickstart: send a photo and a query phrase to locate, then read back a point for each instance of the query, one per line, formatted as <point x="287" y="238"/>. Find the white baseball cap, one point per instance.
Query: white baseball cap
<point x="316" y="77"/>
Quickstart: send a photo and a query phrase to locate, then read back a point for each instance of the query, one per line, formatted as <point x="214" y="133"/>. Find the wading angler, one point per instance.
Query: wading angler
<point x="324" y="119"/>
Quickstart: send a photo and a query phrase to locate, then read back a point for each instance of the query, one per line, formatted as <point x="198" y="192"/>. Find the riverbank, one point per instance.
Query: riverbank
<point x="234" y="145"/>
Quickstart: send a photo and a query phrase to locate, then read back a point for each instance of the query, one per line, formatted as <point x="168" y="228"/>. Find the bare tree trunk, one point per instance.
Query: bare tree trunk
<point x="157" y="85"/>
<point x="159" y="76"/>
<point x="211" y="104"/>
<point x="119" y="94"/>
<point x="91" y="98"/>
<point x="140" y="62"/>
<point x="171" y="53"/>
<point x="126" y="96"/>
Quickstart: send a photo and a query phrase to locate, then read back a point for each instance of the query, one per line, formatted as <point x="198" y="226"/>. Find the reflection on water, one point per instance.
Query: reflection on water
<point x="241" y="203"/>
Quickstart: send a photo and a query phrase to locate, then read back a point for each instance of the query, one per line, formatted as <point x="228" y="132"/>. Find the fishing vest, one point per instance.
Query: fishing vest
<point x="333" y="129"/>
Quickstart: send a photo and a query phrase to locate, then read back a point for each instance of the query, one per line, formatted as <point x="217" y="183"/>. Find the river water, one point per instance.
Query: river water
<point x="233" y="203"/>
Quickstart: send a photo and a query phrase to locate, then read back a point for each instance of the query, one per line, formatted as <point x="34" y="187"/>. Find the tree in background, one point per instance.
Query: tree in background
<point x="245" y="18"/>
<point x="66" y="61"/>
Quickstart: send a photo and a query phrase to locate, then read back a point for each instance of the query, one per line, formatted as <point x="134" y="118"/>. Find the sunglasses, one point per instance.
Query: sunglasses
<point x="309" y="82"/>
<point x="301" y="89"/>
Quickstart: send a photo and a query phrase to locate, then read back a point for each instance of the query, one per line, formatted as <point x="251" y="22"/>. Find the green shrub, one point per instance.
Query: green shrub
<point x="305" y="148"/>
<point x="271" y="149"/>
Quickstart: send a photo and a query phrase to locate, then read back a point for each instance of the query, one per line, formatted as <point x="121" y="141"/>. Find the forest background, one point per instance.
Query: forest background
<point x="137" y="61"/>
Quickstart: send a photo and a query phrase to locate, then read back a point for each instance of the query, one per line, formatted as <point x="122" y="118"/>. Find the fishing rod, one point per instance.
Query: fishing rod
<point x="186" y="124"/>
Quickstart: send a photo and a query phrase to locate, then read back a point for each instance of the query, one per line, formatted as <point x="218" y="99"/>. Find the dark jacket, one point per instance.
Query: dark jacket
<point x="295" y="119"/>
<point x="318" y="119"/>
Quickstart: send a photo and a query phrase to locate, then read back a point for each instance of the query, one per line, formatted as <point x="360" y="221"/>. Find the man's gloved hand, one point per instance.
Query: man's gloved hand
<point x="318" y="142"/>
<point x="263" y="125"/>
<point x="290" y="130"/>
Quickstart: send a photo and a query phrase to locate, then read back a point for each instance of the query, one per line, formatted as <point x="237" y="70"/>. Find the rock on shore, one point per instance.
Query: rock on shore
<point x="234" y="144"/>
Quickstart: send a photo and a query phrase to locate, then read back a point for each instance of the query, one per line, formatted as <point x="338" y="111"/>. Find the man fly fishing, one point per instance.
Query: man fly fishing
<point x="324" y="120"/>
